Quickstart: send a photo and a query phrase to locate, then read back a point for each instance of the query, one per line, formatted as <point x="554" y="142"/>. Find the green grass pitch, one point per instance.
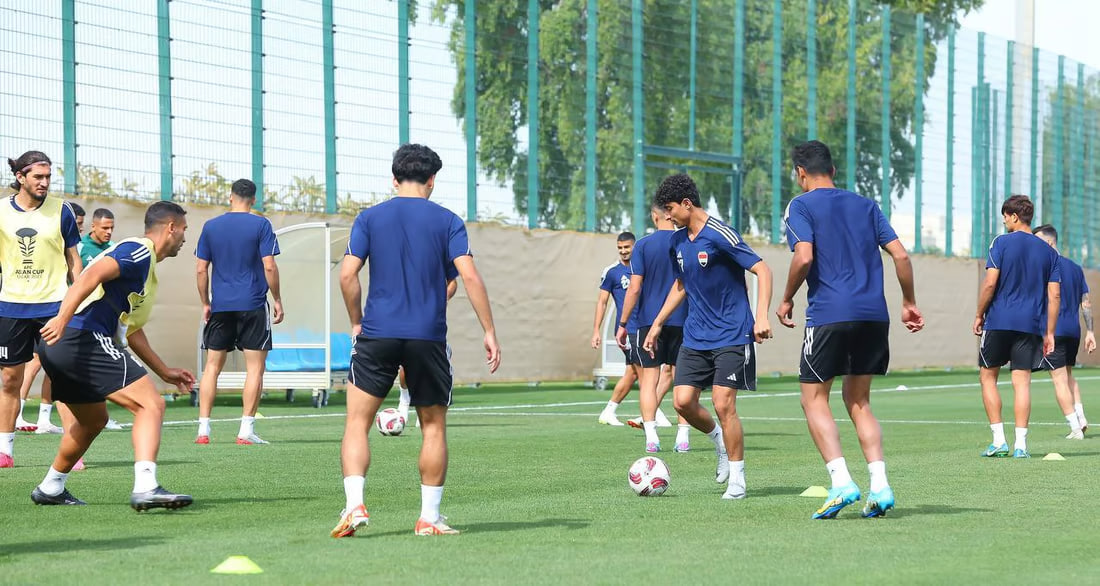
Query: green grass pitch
<point x="540" y="493"/>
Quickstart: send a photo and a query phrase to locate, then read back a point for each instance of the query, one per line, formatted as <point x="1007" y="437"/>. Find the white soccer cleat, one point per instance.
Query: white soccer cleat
<point x="636" y="423"/>
<point x="24" y="425"/>
<point x="610" y="419"/>
<point x="49" y="428"/>
<point x="252" y="439"/>
<point x="734" y="492"/>
<point x="722" y="471"/>
<point x="1076" y="434"/>
<point x="661" y="420"/>
<point x="112" y="425"/>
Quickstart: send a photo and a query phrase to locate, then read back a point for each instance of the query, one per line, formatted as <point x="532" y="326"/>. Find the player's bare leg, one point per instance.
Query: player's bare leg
<point x="991" y="399"/>
<point x="11" y="379"/>
<point x="208" y="392"/>
<point x="433" y="470"/>
<point x="1064" y="395"/>
<point x="254" y="361"/>
<point x="355" y="458"/>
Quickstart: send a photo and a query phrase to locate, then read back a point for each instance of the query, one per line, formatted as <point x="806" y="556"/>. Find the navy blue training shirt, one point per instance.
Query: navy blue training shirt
<point x="410" y="244"/>
<point x="235" y="243"/>
<point x="102" y="315"/>
<point x="652" y="261"/>
<point x="615" y="280"/>
<point x="1027" y="264"/>
<point x="712" y="268"/>
<point x="1073" y="289"/>
<point x="847" y="230"/>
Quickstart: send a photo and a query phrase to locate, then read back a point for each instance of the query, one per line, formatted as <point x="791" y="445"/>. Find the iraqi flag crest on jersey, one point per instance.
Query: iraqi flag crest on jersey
<point x="703" y="258"/>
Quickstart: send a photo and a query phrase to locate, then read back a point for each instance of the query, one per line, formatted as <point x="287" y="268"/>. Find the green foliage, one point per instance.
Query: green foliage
<point x="502" y="94"/>
<point x="94" y="182"/>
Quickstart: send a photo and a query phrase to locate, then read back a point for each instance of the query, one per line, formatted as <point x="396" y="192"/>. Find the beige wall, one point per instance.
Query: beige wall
<point x="543" y="285"/>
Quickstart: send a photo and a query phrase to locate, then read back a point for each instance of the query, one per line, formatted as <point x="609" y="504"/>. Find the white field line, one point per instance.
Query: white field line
<point x="495" y="410"/>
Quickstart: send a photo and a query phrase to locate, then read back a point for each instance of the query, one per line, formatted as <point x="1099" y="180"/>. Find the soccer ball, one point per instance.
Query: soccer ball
<point x="648" y="476"/>
<point x="389" y="422"/>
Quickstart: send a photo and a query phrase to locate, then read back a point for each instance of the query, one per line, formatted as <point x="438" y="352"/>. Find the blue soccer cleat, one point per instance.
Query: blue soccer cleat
<point x="1021" y="453"/>
<point x="878" y="503"/>
<point x="839" y="497"/>
<point x="995" y="451"/>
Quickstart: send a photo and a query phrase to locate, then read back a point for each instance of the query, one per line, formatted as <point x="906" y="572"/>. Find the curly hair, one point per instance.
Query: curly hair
<point x="675" y="189"/>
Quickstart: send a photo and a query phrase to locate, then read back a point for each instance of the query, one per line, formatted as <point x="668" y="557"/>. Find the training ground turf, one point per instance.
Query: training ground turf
<point x="539" y="491"/>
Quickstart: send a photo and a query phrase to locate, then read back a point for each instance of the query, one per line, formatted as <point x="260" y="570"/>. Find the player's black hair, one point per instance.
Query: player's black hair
<point x="244" y="188"/>
<point x="162" y="212"/>
<point x="102" y="213"/>
<point x="1047" y="230"/>
<point x="78" y="210"/>
<point x="626" y="237"/>
<point x="675" y="189"/>
<point x="25" y="160"/>
<point x="814" y="157"/>
<point x="416" y="163"/>
<point x="1021" y="206"/>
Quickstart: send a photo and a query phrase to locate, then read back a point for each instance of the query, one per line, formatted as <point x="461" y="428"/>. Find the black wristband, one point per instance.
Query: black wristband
<point x="622" y="325"/>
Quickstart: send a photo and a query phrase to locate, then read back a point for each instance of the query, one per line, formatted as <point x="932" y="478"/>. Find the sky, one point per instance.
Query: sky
<point x="1066" y="27"/>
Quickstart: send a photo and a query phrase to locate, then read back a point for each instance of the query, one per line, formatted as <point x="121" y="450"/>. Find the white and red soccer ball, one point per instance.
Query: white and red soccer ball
<point x="648" y="476"/>
<point x="389" y="422"/>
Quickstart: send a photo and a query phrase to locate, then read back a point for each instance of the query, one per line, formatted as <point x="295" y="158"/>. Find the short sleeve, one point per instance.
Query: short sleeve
<point x="1084" y="282"/>
<point x="202" y="249"/>
<point x="133" y="260"/>
<point x="607" y="283"/>
<point x="450" y="271"/>
<point x="637" y="259"/>
<point x="729" y="243"/>
<point x="359" y="240"/>
<point x="1055" y="268"/>
<point x="883" y="230"/>
<point x="996" y="254"/>
<point x="799" y="225"/>
<point x="269" y="244"/>
<point x="69" y="230"/>
<point x="458" y="241"/>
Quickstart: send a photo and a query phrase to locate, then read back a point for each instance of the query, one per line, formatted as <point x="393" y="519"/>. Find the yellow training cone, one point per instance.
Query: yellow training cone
<point x="259" y="415"/>
<point x="1054" y="457"/>
<point x="815" y="492"/>
<point x="237" y="564"/>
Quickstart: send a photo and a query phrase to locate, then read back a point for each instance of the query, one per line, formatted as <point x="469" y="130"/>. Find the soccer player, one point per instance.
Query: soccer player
<point x="1022" y="278"/>
<point x="614" y="282"/>
<point x="78" y="211"/>
<point x="652" y="276"/>
<point x="38" y="260"/>
<point x="242" y="247"/>
<point x="98" y="239"/>
<point x="835" y="236"/>
<point x="717" y="351"/>
<point x="106" y="308"/>
<point x="410" y="242"/>
<point x="1067" y="336"/>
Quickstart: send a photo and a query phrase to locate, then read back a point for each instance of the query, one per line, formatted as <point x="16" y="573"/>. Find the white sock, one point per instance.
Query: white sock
<point x="650" y="428"/>
<point x="838" y="472"/>
<point x="878" y="475"/>
<point x="405" y="399"/>
<point x="611" y="408"/>
<point x="247" y="426"/>
<point x="998" y="433"/>
<point x="719" y="440"/>
<point x="353" y="491"/>
<point x="7" y="443"/>
<point x="1021" y="438"/>
<point x="44" y="411"/>
<point x="1073" y="421"/>
<point x="204" y="426"/>
<point x="737" y="474"/>
<point x="54" y="482"/>
<point x="145" y="476"/>
<point x="23" y="403"/>
<point x="682" y="431"/>
<point x="1079" y="410"/>
<point x="430" y="497"/>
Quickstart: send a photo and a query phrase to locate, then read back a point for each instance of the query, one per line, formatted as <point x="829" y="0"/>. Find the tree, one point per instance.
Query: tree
<point x="501" y="87"/>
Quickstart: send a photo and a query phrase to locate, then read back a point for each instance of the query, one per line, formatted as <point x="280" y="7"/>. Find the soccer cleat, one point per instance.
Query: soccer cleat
<point x="995" y="451"/>
<point x="722" y="471"/>
<point x="652" y="448"/>
<point x="79" y="465"/>
<point x="202" y="439"/>
<point x="1076" y="434"/>
<point x="112" y="425"/>
<point x="636" y="423"/>
<point x="252" y="439"/>
<point x="49" y="428"/>
<point x="682" y="447"/>
<point x="65" y="498"/>
<point x="661" y="420"/>
<point x="24" y="425"/>
<point x="440" y="527"/>
<point x="734" y="492"/>
<point x="1021" y="453"/>
<point x="350" y="521"/>
<point x="839" y="497"/>
<point x="610" y="419"/>
<point x="878" y="503"/>
<point x="6" y="461"/>
<point x="158" y="498"/>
